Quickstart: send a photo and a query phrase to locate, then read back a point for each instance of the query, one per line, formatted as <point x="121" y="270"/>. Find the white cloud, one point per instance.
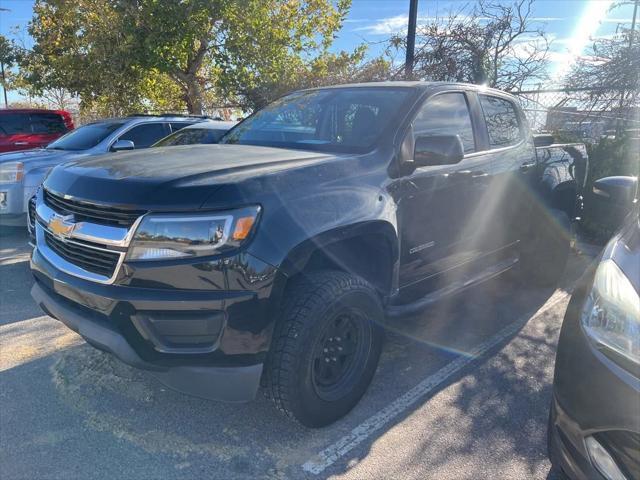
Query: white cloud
<point x="617" y="20"/>
<point x="398" y="23"/>
<point x="547" y="19"/>
<point x="386" y="26"/>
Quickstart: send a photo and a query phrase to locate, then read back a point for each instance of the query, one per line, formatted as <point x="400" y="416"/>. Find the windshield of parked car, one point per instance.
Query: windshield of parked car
<point x="191" y="136"/>
<point x="85" y="137"/>
<point x="346" y="120"/>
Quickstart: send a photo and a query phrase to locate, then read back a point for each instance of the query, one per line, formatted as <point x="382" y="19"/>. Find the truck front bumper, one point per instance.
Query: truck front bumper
<point x="207" y="343"/>
<point x="232" y="384"/>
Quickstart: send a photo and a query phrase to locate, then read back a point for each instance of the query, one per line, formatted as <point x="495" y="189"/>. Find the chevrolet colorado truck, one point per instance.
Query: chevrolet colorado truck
<point x="275" y="257"/>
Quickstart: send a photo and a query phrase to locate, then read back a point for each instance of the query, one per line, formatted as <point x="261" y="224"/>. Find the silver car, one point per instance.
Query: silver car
<point x="22" y="172"/>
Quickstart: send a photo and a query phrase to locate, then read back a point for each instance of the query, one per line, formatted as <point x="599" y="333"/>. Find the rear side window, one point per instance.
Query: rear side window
<point x="13" y="123"/>
<point x="175" y="126"/>
<point x="502" y="122"/>
<point x="446" y="114"/>
<point x="145" y="135"/>
<point x="47" y="123"/>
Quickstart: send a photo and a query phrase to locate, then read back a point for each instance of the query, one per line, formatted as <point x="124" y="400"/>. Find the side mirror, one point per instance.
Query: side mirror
<point x="122" y="145"/>
<point x="614" y="198"/>
<point x="437" y="150"/>
<point x="543" y="139"/>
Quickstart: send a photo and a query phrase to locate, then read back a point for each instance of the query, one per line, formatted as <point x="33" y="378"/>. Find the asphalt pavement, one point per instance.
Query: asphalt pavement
<point x="462" y="392"/>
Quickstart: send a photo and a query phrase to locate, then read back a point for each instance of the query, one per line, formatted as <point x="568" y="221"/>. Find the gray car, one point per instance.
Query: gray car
<point x="594" y="422"/>
<point x="22" y="172"/>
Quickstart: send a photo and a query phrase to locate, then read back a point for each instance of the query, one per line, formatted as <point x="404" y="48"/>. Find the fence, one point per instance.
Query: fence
<point x="585" y="114"/>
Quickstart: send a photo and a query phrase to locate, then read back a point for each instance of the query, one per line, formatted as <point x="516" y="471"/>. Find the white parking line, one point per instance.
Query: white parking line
<point x="359" y="434"/>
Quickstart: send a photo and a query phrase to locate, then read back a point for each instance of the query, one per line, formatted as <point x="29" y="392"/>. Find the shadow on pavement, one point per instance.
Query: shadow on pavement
<point x="504" y="407"/>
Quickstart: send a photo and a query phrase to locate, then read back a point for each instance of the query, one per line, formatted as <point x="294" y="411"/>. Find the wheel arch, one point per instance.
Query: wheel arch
<point x="367" y="249"/>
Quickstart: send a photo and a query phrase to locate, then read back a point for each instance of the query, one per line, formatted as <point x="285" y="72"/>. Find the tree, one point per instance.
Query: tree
<point x="609" y="72"/>
<point x="202" y="52"/>
<point x="82" y="47"/>
<point x="8" y="57"/>
<point x="494" y="44"/>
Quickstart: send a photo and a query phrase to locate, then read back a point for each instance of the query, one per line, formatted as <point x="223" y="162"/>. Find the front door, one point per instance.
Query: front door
<point x="437" y="204"/>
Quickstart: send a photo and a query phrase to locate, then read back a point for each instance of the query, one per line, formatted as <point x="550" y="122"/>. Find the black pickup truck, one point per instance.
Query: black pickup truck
<point x="277" y="256"/>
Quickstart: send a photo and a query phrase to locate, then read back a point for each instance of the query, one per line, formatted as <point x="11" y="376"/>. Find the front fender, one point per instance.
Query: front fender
<point x="298" y="257"/>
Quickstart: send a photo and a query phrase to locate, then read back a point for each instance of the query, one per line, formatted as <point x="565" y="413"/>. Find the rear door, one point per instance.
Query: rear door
<point x="514" y="171"/>
<point x="14" y="126"/>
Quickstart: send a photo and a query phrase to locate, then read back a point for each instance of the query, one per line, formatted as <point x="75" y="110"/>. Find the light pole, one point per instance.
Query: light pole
<point x="411" y="38"/>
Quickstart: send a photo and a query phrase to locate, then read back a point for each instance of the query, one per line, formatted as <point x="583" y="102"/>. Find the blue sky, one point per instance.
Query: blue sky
<point x="570" y="23"/>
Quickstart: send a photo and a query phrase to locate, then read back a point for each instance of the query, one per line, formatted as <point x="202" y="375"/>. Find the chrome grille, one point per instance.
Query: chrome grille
<point x="32" y="214"/>
<point x="89" y="212"/>
<point x="95" y="260"/>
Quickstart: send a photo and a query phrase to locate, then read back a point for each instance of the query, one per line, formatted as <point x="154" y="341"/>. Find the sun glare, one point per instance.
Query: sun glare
<point x="594" y="12"/>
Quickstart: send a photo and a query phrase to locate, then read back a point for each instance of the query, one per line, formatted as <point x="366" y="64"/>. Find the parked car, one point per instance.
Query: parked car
<point x="22" y="172"/>
<point x="27" y="128"/>
<point x="210" y="131"/>
<point x="277" y="254"/>
<point x="594" y="422"/>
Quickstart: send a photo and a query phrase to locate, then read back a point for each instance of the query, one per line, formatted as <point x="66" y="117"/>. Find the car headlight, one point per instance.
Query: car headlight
<point x="171" y="236"/>
<point x="11" y="172"/>
<point x="611" y="313"/>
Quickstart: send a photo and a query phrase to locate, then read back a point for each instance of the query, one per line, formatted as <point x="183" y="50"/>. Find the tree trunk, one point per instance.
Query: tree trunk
<point x="193" y="95"/>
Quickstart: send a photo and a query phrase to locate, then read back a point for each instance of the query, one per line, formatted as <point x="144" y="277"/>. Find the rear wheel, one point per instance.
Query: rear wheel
<point x="544" y="254"/>
<point x="325" y="348"/>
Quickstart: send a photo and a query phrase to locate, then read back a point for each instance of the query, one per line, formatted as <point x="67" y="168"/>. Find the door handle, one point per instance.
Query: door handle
<point x="479" y="175"/>
<point x="461" y="173"/>
<point x="525" y="167"/>
<point x="21" y="143"/>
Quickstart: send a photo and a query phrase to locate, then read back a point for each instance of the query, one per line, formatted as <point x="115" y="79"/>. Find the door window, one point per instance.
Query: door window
<point x="144" y="136"/>
<point x="502" y="122"/>
<point x="446" y="114"/>
<point x="175" y="126"/>
<point x="47" y="123"/>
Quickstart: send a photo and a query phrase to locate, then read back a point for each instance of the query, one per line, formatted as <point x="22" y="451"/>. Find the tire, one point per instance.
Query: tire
<point x="556" y="471"/>
<point x="544" y="254"/>
<point x="313" y="374"/>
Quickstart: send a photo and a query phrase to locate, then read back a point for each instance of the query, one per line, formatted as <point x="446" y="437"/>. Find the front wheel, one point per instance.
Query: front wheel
<point x="325" y="348"/>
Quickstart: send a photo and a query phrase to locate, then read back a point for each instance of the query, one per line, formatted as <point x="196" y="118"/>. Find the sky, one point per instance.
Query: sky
<point x="569" y="23"/>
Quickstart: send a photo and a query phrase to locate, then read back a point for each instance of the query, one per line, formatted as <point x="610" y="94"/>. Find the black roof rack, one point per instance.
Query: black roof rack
<point x="185" y="115"/>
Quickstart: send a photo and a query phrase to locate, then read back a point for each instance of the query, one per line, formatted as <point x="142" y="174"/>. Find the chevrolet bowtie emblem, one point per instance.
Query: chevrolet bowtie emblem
<point x="61" y="226"/>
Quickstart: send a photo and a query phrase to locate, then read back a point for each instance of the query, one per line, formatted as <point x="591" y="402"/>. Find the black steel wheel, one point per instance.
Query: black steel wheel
<point x="325" y="347"/>
<point x="340" y="353"/>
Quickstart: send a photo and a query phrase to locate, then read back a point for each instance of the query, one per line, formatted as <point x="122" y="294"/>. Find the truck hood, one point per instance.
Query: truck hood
<point x="37" y="156"/>
<point x="171" y="178"/>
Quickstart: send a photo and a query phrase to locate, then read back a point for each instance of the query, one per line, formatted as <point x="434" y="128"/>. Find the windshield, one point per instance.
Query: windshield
<point x="191" y="136"/>
<point x="85" y="137"/>
<point x="343" y="120"/>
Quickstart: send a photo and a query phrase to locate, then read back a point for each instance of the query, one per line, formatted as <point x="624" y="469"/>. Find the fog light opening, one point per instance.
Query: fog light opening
<point x="603" y="462"/>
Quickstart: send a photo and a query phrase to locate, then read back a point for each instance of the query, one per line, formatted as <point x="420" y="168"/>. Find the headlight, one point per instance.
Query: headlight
<point x="164" y="236"/>
<point x="11" y="172"/>
<point x="611" y="313"/>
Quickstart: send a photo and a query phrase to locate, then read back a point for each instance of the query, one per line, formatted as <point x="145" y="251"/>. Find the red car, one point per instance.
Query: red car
<point x="26" y="128"/>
